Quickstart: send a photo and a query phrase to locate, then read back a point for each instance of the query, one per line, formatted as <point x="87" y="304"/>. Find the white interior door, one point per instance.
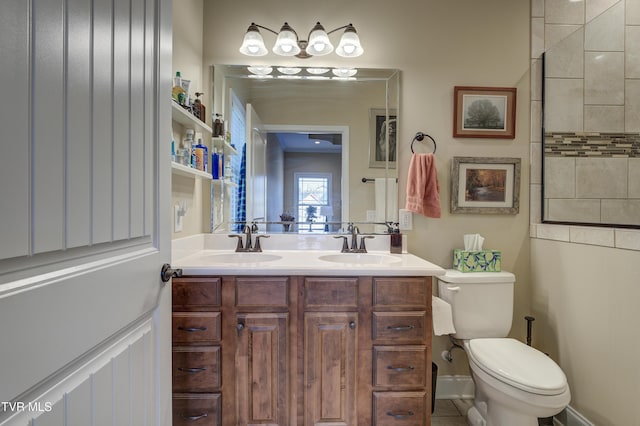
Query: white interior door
<point x="85" y="196"/>
<point x="256" y="167"/>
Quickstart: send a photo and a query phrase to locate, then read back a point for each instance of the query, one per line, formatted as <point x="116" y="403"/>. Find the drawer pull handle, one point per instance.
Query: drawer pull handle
<point x="194" y="418"/>
<point x="192" y="369"/>
<point x="192" y="329"/>
<point x="400" y="327"/>
<point x="400" y="369"/>
<point x="400" y="415"/>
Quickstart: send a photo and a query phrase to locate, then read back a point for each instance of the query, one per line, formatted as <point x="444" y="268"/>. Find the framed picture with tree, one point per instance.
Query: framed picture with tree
<point x="484" y="112"/>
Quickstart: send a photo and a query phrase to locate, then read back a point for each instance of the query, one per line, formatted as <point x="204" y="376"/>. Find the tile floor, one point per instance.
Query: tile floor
<point x="451" y="412"/>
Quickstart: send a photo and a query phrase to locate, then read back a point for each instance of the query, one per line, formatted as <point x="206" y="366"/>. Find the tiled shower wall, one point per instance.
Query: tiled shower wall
<point x="593" y="84"/>
<point x="592" y="178"/>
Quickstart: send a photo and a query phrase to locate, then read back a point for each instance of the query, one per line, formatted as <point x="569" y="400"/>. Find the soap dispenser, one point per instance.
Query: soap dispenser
<point x="395" y="239"/>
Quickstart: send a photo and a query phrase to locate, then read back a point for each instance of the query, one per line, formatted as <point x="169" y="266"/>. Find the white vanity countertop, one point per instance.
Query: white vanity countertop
<point x="196" y="256"/>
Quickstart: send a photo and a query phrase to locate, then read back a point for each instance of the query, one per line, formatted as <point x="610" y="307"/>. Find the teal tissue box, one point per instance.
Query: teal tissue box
<point x="476" y="261"/>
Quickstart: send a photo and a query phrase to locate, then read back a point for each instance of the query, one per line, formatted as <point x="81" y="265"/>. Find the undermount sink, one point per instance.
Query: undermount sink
<point x="243" y="257"/>
<point x="360" y="258"/>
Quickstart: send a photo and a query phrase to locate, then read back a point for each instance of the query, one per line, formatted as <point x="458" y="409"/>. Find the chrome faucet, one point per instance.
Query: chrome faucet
<point x="248" y="246"/>
<point x="355" y="231"/>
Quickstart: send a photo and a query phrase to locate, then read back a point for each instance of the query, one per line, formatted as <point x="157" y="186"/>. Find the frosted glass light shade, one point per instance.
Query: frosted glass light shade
<point x="344" y="72"/>
<point x="253" y="44"/>
<point x="260" y="69"/>
<point x="286" y="42"/>
<point x="319" y="43"/>
<point x="349" y="46"/>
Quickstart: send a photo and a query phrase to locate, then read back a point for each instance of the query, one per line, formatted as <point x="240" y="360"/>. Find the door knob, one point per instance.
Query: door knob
<point x="167" y="272"/>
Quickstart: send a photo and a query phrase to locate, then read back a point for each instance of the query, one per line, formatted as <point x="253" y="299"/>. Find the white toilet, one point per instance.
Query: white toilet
<point x="515" y="384"/>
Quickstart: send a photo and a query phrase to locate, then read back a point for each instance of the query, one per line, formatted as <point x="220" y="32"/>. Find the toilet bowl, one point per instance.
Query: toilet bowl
<point x="515" y="384"/>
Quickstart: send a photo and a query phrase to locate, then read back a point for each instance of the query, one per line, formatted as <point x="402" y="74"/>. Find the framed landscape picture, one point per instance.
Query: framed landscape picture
<point x="484" y="112"/>
<point x="485" y="185"/>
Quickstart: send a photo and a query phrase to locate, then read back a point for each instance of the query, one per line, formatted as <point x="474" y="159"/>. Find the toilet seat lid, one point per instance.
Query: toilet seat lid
<point x="518" y="365"/>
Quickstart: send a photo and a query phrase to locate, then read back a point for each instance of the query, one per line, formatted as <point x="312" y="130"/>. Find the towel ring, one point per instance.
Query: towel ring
<point x="420" y="137"/>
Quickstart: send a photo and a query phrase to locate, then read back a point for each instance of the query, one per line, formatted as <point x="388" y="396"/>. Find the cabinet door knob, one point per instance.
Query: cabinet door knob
<point x="352" y="325"/>
<point x="240" y="327"/>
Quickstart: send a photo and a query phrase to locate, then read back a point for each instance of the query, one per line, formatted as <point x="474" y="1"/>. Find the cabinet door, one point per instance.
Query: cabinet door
<point x="262" y="369"/>
<point x="329" y="368"/>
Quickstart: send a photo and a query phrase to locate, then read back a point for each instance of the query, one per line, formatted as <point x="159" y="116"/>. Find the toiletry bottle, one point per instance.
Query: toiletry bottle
<point x="177" y="92"/>
<point x="215" y="165"/>
<point x="173" y="147"/>
<point x="218" y="126"/>
<point x="202" y="156"/>
<point x="188" y="145"/>
<point x="395" y="240"/>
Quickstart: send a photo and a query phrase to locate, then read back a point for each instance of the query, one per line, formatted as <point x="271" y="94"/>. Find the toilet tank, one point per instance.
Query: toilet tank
<point x="481" y="302"/>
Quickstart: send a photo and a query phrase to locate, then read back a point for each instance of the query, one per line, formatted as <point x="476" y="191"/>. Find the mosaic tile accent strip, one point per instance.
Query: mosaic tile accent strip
<point x="618" y="145"/>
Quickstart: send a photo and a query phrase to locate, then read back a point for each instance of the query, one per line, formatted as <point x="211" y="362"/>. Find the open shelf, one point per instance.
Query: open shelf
<point x="182" y="170"/>
<point x="220" y="143"/>
<point x="183" y="117"/>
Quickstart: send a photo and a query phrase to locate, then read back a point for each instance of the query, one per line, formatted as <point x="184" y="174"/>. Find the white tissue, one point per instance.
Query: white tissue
<point x="442" y="317"/>
<point x="473" y="242"/>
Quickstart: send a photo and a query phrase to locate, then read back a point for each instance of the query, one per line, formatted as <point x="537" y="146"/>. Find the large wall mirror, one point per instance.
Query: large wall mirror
<point x="314" y="150"/>
<point x="591" y="110"/>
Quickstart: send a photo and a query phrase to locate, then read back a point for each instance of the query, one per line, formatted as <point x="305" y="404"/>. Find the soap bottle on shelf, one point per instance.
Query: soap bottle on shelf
<point x="218" y="126"/>
<point x="215" y="165"/>
<point x="188" y="145"/>
<point x="177" y="92"/>
<point x="395" y="245"/>
<point x="201" y="154"/>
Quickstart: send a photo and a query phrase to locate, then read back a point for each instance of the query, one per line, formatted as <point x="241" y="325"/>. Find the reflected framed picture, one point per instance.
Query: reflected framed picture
<point x="381" y="125"/>
<point x="484" y="112"/>
<point x="485" y="185"/>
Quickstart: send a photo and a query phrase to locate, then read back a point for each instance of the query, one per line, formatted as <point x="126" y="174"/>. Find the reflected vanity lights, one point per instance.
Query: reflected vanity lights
<point x="312" y="73"/>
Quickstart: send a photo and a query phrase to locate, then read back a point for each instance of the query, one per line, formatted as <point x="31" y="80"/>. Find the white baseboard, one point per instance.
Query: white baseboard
<point x="454" y="387"/>
<point x="461" y="387"/>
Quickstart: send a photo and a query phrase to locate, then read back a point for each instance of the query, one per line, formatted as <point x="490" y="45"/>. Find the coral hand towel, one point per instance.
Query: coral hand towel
<point x="423" y="189"/>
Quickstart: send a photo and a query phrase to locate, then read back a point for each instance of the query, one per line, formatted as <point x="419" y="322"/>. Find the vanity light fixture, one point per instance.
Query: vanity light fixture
<point x="260" y="69"/>
<point x="344" y="72"/>
<point x="289" y="70"/>
<point x="288" y="43"/>
<point x="317" y="71"/>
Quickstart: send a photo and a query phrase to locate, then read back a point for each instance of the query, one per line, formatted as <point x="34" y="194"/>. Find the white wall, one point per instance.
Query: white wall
<point x="436" y="45"/>
<point x="585" y="300"/>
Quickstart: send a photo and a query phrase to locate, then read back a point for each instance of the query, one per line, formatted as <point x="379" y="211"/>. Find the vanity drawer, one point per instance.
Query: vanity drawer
<point x="399" y="408"/>
<point x="400" y="327"/>
<point x="332" y="292"/>
<point x="262" y="291"/>
<point x="196" y="369"/>
<point x="401" y="292"/>
<point x="196" y="327"/>
<point x="196" y="293"/>
<point x="197" y="409"/>
<point x="399" y="366"/>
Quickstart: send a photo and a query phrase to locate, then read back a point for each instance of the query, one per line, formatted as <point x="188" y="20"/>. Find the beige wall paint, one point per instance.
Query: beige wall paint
<point x="585" y="299"/>
<point x="436" y="45"/>
<point x="187" y="58"/>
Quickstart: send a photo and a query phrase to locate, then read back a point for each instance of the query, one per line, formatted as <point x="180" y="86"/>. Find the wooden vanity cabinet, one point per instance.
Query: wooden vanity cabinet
<point x="296" y="350"/>
<point x="196" y="355"/>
